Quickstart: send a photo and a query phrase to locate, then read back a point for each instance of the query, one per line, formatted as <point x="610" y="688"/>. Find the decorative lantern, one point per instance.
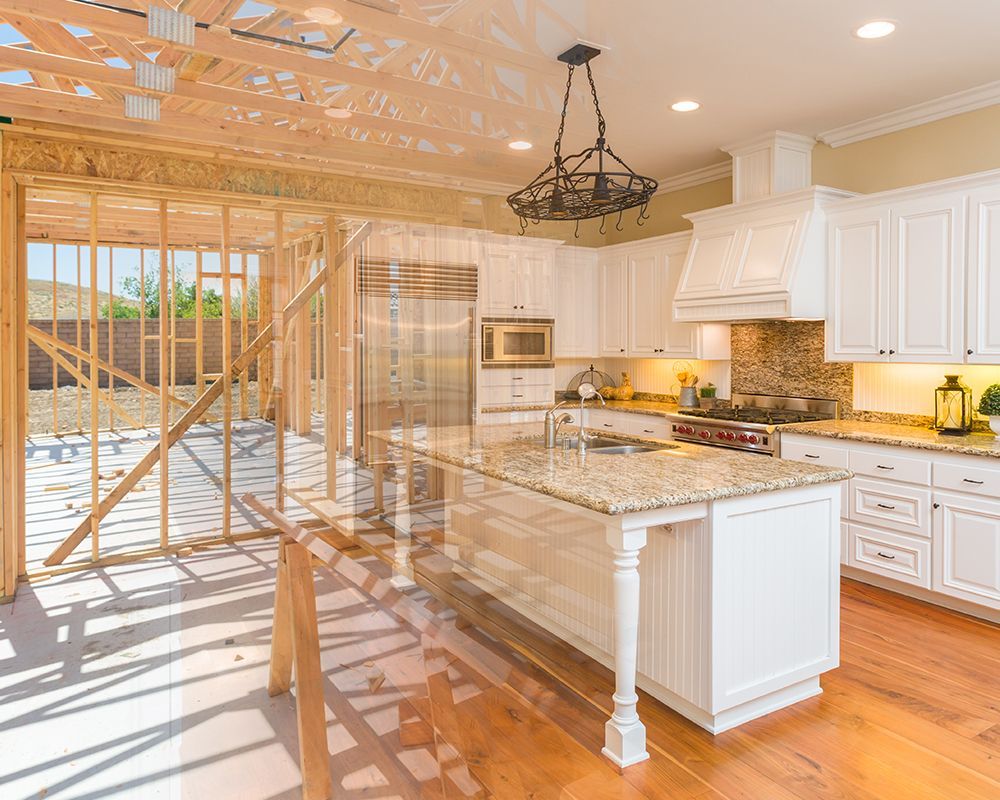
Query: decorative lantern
<point x="953" y="406"/>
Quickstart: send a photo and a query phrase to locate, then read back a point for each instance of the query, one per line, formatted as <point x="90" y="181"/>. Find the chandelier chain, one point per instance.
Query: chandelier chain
<point x="597" y="106"/>
<point x="562" y="119"/>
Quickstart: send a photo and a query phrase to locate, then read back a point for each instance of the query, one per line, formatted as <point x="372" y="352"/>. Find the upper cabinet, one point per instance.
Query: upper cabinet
<point x="576" y="328"/>
<point x="915" y="274"/>
<point x="637" y="283"/>
<point x="983" y="277"/>
<point x="612" y="290"/>
<point x="518" y="280"/>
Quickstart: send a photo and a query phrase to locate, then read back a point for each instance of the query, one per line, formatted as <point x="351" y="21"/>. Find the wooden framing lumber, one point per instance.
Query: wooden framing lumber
<point x="194" y="412"/>
<point x="95" y="495"/>
<point x="227" y="389"/>
<point x="163" y="453"/>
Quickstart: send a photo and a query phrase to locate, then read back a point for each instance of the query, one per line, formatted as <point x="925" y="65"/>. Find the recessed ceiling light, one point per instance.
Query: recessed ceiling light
<point x="323" y="15"/>
<point x="875" y="29"/>
<point x="686" y="105"/>
<point x="338" y="113"/>
<point x="519" y="144"/>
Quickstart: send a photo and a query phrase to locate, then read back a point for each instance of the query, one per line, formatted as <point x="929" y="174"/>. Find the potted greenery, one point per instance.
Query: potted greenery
<point x="989" y="405"/>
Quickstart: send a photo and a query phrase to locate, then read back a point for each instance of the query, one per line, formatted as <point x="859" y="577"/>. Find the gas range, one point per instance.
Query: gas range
<point x="752" y="424"/>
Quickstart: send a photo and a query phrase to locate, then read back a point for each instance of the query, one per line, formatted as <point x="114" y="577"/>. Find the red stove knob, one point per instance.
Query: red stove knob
<point x="705" y="434"/>
<point x="753" y="439"/>
<point x="730" y="435"/>
<point x="721" y="435"/>
<point x="688" y="430"/>
<point x="744" y="437"/>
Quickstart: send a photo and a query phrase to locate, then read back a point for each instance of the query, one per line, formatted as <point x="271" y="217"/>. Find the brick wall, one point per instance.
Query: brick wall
<point x="127" y="346"/>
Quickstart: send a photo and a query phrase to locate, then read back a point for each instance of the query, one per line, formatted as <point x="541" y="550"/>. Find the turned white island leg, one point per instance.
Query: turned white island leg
<point x="402" y="569"/>
<point x="624" y="734"/>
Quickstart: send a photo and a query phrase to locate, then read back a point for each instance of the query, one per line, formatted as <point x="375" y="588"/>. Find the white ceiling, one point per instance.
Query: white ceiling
<point x="758" y="65"/>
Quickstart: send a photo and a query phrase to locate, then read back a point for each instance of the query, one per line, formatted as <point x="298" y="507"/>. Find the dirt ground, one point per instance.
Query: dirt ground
<point x="72" y="409"/>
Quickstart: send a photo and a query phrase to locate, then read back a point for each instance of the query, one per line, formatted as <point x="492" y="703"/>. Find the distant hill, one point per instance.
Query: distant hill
<point x="40" y="300"/>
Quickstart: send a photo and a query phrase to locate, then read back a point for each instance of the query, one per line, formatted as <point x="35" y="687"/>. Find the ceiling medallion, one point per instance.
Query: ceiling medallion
<point x="573" y="187"/>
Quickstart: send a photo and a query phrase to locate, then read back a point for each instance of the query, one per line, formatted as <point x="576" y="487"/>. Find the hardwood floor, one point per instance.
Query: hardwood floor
<point x="913" y="712"/>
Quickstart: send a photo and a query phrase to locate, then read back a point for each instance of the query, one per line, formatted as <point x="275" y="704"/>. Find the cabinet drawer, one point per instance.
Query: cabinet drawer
<point x="646" y="427"/>
<point x="517" y="377"/>
<point x="892" y="505"/>
<point x="961" y="477"/>
<point x="825" y="455"/>
<point x="515" y="395"/>
<point x="901" y="557"/>
<point x="608" y="421"/>
<point x="880" y="464"/>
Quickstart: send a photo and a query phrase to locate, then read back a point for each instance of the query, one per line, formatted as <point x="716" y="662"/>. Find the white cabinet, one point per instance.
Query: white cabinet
<point x="636" y="289"/>
<point x="896" y="279"/>
<point x="967" y="548"/>
<point x="518" y="281"/>
<point x="857" y="326"/>
<point x="926" y="263"/>
<point x="577" y="323"/>
<point x="983" y="278"/>
<point x="612" y="291"/>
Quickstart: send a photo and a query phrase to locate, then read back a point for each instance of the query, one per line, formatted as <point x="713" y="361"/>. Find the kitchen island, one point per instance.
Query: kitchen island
<point x="732" y="610"/>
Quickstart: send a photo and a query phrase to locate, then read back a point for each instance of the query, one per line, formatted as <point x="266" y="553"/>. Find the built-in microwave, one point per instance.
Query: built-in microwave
<point x="517" y="341"/>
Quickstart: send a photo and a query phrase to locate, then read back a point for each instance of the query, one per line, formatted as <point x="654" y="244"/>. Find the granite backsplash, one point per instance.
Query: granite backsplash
<point x="786" y="358"/>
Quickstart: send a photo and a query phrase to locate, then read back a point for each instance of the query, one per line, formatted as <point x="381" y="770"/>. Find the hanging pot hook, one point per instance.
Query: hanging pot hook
<point x="576" y="231"/>
<point x="618" y="225"/>
<point x="604" y="222"/>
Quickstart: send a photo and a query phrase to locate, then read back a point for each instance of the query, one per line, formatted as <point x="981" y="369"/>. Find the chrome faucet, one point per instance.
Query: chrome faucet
<point x="554" y="422"/>
<point x="587" y="391"/>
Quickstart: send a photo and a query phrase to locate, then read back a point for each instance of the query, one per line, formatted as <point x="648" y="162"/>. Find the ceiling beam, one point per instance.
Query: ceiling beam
<point x="61" y="107"/>
<point x="251" y="54"/>
<point x="102" y="74"/>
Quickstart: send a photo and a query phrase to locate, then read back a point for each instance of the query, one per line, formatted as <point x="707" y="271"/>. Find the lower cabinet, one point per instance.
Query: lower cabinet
<point x="967" y="548"/>
<point x="934" y="524"/>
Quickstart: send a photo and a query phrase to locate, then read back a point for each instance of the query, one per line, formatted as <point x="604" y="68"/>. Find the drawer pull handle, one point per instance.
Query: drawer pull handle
<point x="518" y="395"/>
<point x="969" y="480"/>
<point x="607" y="425"/>
<point x="883" y="505"/>
<point x="518" y="379"/>
<point x="882" y="466"/>
<point x="880" y="554"/>
<point x="810" y="455"/>
<point x="647" y="430"/>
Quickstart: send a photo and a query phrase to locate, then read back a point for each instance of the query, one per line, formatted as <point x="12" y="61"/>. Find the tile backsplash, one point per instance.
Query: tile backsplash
<point x="786" y="358"/>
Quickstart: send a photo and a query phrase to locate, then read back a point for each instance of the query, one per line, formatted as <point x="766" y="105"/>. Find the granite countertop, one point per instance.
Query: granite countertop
<point x="975" y="444"/>
<point x="612" y="484"/>
<point x="656" y="408"/>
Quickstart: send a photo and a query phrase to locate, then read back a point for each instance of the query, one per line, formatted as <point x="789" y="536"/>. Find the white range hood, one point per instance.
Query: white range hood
<point x="764" y="256"/>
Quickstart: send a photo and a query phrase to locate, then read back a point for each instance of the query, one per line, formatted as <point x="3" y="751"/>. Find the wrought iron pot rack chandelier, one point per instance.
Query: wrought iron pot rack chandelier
<point x="570" y="188"/>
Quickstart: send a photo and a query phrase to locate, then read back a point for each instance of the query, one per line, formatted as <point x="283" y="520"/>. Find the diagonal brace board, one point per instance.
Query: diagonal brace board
<point x="63" y="362"/>
<point x="209" y="396"/>
<point x="41" y="339"/>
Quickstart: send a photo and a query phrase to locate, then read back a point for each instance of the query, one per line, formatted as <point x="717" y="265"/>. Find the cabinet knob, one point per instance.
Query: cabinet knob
<point x="622" y="350"/>
<point x="881" y="352"/>
<point x="937" y="505"/>
<point x="968" y="352"/>
<point x="892" y="352"/>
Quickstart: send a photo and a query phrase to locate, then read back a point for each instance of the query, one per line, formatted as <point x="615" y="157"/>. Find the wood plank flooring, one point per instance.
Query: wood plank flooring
<point x="914" y="711"/>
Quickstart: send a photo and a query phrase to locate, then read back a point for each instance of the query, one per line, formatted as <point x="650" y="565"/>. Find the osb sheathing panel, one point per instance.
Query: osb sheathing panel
<point x="84" y="160"/>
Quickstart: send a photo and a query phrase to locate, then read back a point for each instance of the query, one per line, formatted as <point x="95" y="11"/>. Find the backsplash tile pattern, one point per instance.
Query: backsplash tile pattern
<point x="786" y="358"/>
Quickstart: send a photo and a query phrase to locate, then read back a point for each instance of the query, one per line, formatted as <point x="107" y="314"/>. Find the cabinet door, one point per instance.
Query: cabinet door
<point x="576" y="305"/>
<point x="983" y="275"/>
<point x="534" y="283"/>
<point x="857" y="325"/>
<point x="613" y="300"/>
<point x="926" y="278"/>
<point x="500" y="283"/>
<point x="646" y="305"/>
<point x="967" y="548"/>
<point x="679" y="339"/>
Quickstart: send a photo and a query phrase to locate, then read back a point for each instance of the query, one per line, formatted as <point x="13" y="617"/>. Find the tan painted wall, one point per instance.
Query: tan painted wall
<point x="666" y="211"/>
<point x="945" y="148"/>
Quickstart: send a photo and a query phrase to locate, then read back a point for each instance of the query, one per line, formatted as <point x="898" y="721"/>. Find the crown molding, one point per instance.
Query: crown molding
<point x="951" y="104"/>
<point x="696" y="177"/>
